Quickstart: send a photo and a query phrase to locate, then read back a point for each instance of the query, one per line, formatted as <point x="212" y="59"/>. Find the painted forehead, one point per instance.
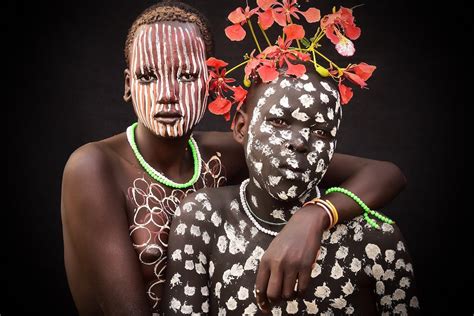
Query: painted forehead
<point x="169" y="40"/>
<point x="300" y="98"/>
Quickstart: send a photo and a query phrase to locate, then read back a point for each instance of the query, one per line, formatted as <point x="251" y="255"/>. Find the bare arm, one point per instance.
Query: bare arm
<point x="99" y="256"/>
<point x="375" y="182"/>
<point x="292" y="253"/>
<point x="387" y="262"/>
<point x="187" y="272"/>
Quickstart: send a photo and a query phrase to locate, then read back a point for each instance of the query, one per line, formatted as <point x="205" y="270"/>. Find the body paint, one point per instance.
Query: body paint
<point x="168" y="77"/>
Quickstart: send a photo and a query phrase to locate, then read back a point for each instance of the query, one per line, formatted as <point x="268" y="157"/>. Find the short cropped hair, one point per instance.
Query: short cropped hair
<point x="171" y="10"/>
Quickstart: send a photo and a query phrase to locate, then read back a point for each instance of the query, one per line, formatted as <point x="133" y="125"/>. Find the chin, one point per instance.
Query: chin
<point x="289" y="191"/>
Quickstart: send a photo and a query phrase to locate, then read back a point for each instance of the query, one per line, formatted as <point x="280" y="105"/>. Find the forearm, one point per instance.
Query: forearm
<point x="376" y="183"/>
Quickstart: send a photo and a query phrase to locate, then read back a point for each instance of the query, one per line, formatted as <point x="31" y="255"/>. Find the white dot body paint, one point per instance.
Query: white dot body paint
<point x="272" y="143"/>
<point x="269" y="92"/>
<point x="285" y="84"/>
<point x="301" y="116"/>
<point x="306" y="100"/>
<point x="275" y="110"/>
<point x="324" y="97"/>
<point x="284" y="102"/>
<point x="320" y="118"/>
<point x="166" y="54"/>
<point x="309" y="87"/>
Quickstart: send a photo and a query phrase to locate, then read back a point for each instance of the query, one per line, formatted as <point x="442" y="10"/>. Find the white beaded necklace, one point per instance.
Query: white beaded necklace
<point x="245" y="205"/>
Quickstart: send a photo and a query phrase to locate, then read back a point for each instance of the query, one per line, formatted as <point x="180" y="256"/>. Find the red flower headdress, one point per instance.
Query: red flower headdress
<point x="339" y="27"/>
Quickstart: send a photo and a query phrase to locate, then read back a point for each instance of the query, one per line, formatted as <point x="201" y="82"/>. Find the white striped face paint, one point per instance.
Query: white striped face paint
<point x="168" y="77"/>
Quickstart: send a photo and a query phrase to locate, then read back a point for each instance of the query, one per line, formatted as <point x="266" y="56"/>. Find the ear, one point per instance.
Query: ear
<point x="127" y="94"/>
<point x="240" y="126"/>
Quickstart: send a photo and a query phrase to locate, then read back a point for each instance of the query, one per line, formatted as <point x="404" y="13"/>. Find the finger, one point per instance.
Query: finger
<point x="303" y="281"/>
<point x="289" y="282"/>
<point x="261" y="283"/>
<point x="275" y="284"/>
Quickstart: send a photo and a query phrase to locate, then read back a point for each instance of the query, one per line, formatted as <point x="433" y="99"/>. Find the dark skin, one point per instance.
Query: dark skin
<point x="285" y="261"/>
<point x="207" y="276"/>
<point x="104" y="273"/>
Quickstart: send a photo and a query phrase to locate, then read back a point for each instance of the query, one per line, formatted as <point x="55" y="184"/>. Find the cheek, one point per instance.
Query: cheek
<point x="321" y="155"/>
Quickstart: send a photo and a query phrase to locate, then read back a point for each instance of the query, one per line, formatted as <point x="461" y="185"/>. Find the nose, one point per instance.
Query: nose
<point x="170" y="94"/>
<point x="297" y="144"/>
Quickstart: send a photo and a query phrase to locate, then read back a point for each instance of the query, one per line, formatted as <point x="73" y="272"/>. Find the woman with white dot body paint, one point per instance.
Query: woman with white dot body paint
<point x="218" y="235"/>
<point x="119" y="194"/>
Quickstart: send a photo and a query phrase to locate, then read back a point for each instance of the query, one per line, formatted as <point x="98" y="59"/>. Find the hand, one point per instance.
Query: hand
<point x="287" y="263"/>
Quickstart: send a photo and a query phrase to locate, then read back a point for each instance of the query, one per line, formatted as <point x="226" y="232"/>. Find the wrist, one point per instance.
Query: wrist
<point x="317" y="215"/>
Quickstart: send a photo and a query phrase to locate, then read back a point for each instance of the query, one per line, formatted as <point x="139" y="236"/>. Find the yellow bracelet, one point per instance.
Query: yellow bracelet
<point x="328" y="207"/>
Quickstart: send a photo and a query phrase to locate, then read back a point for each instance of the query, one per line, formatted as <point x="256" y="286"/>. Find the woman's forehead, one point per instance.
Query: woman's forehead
<point x="168" y="31"/>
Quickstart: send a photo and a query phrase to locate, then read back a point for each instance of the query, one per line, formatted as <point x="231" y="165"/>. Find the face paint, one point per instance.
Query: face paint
<point x="291" y="135"/>
<point x="168" y="77"/>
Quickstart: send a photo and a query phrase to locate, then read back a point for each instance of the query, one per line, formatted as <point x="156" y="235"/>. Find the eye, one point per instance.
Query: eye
<point x="278" y="122"/>
<point x="187" y="77"/>
<point x="146" y="78"/>
<point x="321" y="133"/>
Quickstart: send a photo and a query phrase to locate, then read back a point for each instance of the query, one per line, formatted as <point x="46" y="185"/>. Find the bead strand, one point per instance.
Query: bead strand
<point x="159" y="177"/>
<point x="245" y="205"/>
<point x="364" y="206"/>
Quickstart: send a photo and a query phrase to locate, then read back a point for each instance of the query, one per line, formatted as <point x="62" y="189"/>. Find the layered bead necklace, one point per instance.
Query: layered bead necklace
<point x="246" y="207"/>
<point x="253" y="217"/>
<point x="159" y="177"/>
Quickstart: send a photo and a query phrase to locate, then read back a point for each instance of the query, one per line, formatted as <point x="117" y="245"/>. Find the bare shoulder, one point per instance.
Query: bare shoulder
<point x="89" y="180"/>
<point x="91" y="161"/>
<point x="387" y="236"/>
<point x="206" y="204"/>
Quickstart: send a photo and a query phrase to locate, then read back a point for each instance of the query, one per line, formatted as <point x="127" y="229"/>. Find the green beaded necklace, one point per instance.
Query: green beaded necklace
<point x="161" y="178"/>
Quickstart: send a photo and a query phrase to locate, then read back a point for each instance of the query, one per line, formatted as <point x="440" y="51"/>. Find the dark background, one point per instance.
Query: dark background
<point x="64" y="61"/>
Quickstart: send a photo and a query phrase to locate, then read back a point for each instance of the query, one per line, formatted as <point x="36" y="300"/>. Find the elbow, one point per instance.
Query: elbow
<point x="394" y="173"/>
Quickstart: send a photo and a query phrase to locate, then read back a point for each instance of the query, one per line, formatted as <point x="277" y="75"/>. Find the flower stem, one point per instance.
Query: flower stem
<point x="234" y="68"/>
<point x="264" y="34"/>
<point x="328" y="60"/>
<point x="314" y="60"/>
<point x="253" y="34"/>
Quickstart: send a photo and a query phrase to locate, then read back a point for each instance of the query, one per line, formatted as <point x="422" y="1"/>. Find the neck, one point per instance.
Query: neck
<point x="168" y="155"/>
<point x="273" y="210"/>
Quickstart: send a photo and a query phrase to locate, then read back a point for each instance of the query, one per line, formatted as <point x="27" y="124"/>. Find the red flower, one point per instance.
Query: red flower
<point x="220" y="106"/>
<point x="285" y="55"/>
<point x="340" y="26"/>
<point x="238" y="17"/>
<point x="293" y="31"/>
<point x="359" y="74"/>
<point x="281" y="13"/>
<point x="219" y="85"/>
<point x="346" y="93"/>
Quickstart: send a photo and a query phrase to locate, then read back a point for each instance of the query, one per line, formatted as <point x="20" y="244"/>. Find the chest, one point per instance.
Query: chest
<point x="338" y="281"/>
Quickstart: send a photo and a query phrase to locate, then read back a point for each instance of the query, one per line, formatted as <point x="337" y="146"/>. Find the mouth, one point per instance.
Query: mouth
<point x="285" y="167"/>
<point x="168" y="117"/>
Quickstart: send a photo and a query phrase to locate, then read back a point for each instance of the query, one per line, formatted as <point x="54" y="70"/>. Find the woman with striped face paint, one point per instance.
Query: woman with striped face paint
<point x="167" y="77"/>
<point x="119" y="194"/>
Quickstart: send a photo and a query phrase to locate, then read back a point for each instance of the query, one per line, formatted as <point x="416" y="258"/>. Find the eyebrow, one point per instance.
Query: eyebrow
<point x="146" y="69"/>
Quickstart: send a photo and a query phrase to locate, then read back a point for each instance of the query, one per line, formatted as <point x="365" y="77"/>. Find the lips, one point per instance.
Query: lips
<point x="168" y="117"/>
<point x="288" y="167"/>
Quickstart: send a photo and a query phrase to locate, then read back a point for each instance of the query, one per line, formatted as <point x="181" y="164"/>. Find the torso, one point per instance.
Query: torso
<point x="342" y="281"/>
<point x="150" y="205"/>
<point x="150" y="208"/>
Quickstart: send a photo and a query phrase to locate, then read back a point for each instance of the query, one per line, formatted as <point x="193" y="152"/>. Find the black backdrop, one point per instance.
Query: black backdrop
<point x="67" y="62"/>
